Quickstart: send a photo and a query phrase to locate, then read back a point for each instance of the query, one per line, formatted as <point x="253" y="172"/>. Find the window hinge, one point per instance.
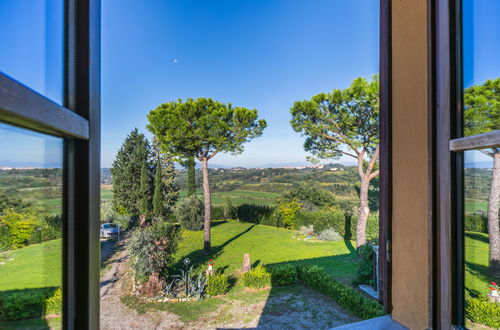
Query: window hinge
<point x="388" y="250"/>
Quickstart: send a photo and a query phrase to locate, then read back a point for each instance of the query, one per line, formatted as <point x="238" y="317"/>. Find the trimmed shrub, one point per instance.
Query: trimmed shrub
<point x="189" y="213"/>
<point x="364" y="273"/>
<point x="329" y="234"/>
<point x="477" y="222"/>
<point x="217" y="284"/>
<point x="31" y="303"/>
<point x="258" y="277"/>
<point x="152" y="249"/>
<point x="479" y="310"/>
<point x="346" y="296"/>
<point x="281" y="275"/>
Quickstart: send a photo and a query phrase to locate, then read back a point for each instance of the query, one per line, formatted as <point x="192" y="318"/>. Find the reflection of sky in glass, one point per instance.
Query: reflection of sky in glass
<point x="24" y="148"/>
<point x="31" y="39"/>
<point x="481" y="41"/>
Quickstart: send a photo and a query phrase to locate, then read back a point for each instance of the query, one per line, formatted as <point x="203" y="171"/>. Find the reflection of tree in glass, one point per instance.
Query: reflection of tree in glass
<point x="481" y="115"/>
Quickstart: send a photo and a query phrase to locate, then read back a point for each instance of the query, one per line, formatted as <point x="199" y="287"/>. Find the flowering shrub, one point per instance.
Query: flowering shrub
<point x="493" y="286"/>
<point x="258" y="277"/>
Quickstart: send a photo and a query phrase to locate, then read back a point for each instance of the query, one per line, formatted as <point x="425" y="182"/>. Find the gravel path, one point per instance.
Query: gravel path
<point x="300" y="308"/>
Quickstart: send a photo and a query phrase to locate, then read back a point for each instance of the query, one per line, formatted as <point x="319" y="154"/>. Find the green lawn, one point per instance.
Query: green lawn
<point x="34" y="266"/>
<point x="476" y="264"/>
<point x="266" y="245"/>
<point x="106" y="194"/>
<point x="476" y="205"/>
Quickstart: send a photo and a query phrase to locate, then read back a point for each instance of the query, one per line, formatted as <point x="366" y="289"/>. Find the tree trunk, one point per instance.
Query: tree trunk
<point x="208" y="204"/>
<point x="493" y="221"/>
<point x="363" y="212"/>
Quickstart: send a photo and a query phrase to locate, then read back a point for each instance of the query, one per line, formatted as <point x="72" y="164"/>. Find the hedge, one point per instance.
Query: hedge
<point x="340" y="221"/>
<point x="346" y="296"/>
<point x="479" y="310"/>
<point x="30" y="303"/>
<point x="281" y="275"/>
<point x="477" y="222"/>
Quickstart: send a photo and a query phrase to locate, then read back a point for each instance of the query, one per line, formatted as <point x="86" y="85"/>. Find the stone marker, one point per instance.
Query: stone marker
<point x="246" y="263"/>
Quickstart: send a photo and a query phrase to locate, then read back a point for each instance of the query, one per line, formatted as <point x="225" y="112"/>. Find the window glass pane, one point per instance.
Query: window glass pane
<point x="32" y="39"/>
<point x="30" y="229"/>
<point x="482" y="237"/>
<point x="481" y="62"/>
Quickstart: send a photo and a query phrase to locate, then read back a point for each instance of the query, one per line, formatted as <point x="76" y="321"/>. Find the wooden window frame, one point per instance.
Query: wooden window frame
<point x="77" y="121"/>
<point x="449" y="145"/>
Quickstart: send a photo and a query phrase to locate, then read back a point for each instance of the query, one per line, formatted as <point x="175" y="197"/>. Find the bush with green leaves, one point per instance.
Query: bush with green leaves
<point x="217" y="284"/>
<point x="258" y="277"/>
<point x="364" y="273"/>
<point x="30" y="303"/>
<point x="152" y="249"/>
<point x="480" y="310"/>
<point x="17" y="229"/>
<point x="477" y="222"/>
<point x="189" y="212"/>
<point x="281" y="275"/>
<point x="310" y="197"/>
<point x="288" y="214"/>
<point x="346" y="296"/>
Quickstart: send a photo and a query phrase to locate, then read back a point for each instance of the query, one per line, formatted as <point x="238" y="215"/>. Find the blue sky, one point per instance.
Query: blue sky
<point x="258" y="54"/>
<point x="262" y="54"/>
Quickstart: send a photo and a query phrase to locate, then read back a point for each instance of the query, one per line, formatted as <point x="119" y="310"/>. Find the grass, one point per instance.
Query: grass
<point x="476" y="264"/>
<point x="476" y="205"/>
<point x="34" y="266"/>
<point x="266" y="245"/>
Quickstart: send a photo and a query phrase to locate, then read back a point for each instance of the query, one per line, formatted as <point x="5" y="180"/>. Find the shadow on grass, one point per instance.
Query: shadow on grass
<point x="198" y="257"/>
<point x="478" y="237"/>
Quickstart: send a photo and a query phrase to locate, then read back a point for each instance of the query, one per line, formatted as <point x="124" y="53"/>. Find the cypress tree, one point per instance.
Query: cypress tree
<point x="159" y="192"/>
<point x="144" y="199"/>
<point x="126" y="172"/>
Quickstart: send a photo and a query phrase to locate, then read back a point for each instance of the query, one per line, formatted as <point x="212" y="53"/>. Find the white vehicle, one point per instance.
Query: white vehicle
<point x="109" y="230"/>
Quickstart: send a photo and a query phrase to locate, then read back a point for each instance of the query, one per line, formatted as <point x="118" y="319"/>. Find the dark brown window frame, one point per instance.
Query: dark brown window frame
<point x="385" y="122"/>
<point x="78" y="122"/>
<point x="449" y="145"/>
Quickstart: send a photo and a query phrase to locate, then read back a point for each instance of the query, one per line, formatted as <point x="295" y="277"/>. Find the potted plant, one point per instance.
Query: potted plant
<point x="494" y="289"/>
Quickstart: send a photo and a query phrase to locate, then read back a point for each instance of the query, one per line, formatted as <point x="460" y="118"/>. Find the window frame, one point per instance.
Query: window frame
<point x="449" y="145"/>
<point x="78" y="122"/>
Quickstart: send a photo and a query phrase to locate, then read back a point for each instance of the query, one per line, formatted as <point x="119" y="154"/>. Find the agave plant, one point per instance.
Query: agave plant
<point x="193" y="287"/>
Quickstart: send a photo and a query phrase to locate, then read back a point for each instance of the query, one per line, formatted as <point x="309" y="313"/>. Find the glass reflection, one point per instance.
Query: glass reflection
<point x="30" y="229"/>
<point x="482" y="236"/>
<point x="32" y="39"/>
<point x="481" y="66"/>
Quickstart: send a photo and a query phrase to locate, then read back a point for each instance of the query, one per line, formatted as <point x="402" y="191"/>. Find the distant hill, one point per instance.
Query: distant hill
<point x="28" y="164"/>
